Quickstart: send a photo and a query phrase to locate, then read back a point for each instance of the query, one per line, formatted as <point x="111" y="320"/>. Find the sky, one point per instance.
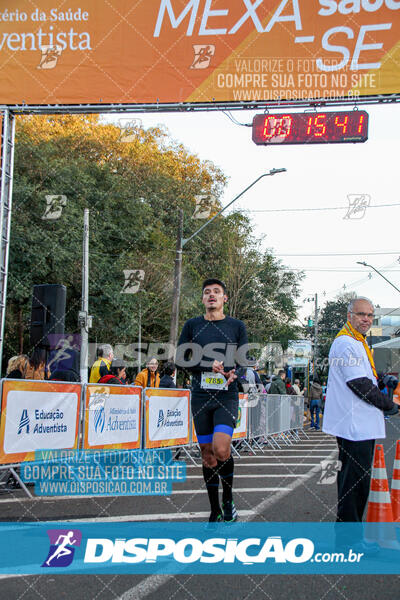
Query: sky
<point x="326" y="244"/>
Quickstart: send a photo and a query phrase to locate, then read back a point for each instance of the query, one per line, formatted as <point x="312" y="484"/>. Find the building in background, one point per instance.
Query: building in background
<point x="384" y="337"/>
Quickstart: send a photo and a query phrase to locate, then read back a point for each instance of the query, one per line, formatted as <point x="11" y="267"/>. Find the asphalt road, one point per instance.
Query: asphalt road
<point x="276" y="485"/>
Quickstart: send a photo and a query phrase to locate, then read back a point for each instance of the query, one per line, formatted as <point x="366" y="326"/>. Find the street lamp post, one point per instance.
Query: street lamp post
<point x="180" y="243"/>
<point x="364" y="264"/>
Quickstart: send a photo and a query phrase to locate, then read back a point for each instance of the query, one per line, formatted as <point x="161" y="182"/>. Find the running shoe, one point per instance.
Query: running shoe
<point x="216" y="516"/>
<point x="230" y="512"/>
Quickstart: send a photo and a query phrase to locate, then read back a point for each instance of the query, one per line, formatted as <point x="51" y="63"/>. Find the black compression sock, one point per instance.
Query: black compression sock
<point x="225" y="470"/>
<point x="211" y="479"/>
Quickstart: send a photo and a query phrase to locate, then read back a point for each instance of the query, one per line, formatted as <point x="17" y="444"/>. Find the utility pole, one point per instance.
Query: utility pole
<point x="173" y="334"/>
<point x="315" y="335"/>
<point x="84" y="320"/>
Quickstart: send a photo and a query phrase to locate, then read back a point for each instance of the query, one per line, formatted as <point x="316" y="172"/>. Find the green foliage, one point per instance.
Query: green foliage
<point x="133" y="191"/>
<point x="333" y="317"/>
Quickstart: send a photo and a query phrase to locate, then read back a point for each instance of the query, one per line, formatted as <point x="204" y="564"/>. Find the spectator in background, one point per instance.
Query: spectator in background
<point x="263" y="377"/>
<point x="248" y="378"/>
<point x="36" y="365"/>
<point x="267" y="383"/>
<point x="16" y="367"/>
<point x="296" y="387"/>
<point x="64" y="375"/>
<point x="323" y="395"/>
<point x="278" y="384"/>
<point x="289" y="388"/>
<point x="149" y="377"/>
<point x="117" y="376"/>
<point x="102" y="365"/>
<point x="306" y="404"/>
<point x="315" y="402"/>
<point x="166" y="380"/>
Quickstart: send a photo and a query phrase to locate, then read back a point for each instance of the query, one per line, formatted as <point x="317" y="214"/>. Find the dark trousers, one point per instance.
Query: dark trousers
<point x="315" y="407"/>
<point x="354" y="478"/>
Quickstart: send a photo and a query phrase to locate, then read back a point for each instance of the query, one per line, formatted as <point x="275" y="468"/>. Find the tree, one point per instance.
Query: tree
<point x="133" y="191"/>
<point x="333" y="317"/>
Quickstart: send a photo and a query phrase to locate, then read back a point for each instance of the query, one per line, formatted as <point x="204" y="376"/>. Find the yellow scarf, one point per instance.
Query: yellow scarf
<point x="349" y="330"/>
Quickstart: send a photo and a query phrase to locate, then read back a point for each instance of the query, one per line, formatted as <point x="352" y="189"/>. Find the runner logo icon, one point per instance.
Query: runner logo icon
<point x="24" y="421"/>
<point x="61" y="551"/>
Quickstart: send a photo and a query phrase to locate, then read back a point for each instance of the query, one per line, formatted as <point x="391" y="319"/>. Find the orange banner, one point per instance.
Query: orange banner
<point x="168" y="51"/>
<point x="37" y="415"/>
<point x="167" y="417"/>
<point x="113" y="417"/>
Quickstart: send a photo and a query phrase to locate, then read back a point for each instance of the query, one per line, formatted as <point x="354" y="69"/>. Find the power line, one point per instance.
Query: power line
<point x="335" y="270"/>
<point x="235" y="121"/>
<point x="343" y="254"/>
<point x="322" y="208"/>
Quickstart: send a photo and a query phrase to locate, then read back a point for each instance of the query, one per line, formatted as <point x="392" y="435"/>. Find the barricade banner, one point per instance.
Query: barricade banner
<point x="240" y="431"/>
<point x="37" y="415"/>
<point x="167" y="417"/>
<point x="296" y="412"/>
<point x="112" y="417"/>
<point x="187" y="51"/>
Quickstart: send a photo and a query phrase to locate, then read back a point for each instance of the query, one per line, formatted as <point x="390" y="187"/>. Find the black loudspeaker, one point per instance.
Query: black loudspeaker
<point x="48" y="312"/>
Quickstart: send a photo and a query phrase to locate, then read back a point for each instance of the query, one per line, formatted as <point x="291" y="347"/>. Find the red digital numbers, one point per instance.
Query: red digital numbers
<point x="277" y="127"/>
<point x="315" y="128"/>
<point x="360" y="124"/>
<point x="343" y="124"/>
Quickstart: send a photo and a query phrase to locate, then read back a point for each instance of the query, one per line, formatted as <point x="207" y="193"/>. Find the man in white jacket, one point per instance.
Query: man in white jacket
<point x="354" y="409"/>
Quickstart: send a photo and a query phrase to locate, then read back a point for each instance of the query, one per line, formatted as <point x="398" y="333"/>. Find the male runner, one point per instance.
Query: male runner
<point x="215" y="399"/>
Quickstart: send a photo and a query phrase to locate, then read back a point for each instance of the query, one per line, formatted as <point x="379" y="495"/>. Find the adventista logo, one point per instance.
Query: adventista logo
<point x="24" y="421"/>
<point x="62" y="547"/>
<point x="161" y="419"/>
<point x="99" y="419"/>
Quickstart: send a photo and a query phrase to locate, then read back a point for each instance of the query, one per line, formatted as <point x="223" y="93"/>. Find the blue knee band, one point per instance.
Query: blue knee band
<point x="224" y="429"/>
<point x="205" y="439"/>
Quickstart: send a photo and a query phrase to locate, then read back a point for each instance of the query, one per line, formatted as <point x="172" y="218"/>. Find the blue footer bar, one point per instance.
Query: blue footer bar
<point x="127" y="548"/>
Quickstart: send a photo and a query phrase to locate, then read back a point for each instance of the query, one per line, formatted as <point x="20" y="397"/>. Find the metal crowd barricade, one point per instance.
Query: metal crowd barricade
<point x="275" y="418"/>
<point x="150" y="418"/>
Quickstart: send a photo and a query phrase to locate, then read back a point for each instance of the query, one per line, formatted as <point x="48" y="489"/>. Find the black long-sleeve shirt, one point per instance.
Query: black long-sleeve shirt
<point x="202" y="341"/>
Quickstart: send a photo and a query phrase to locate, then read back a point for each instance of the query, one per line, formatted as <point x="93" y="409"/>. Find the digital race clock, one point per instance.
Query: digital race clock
<point x="311" y="128"/>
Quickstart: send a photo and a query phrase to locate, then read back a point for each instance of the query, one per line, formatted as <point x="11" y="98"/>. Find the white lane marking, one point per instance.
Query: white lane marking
<point x="153" y="517"/>
<point x="312" y="443"/>
<point x="258" y="510"/>
<point x="239" y="461"/>
<point x="151" y="583"/>
<point x="274" y="464"/>
<point x="148" y="585"/>
<point x="236" y="489"/>
<point x="259" y="475"/>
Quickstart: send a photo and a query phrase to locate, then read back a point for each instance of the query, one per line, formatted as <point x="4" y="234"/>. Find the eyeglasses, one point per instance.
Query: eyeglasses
<point x="363" y="314"/>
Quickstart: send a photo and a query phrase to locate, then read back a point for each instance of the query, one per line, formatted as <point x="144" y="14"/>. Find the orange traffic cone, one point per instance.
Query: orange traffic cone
<point x="379" y="513"/>
<point x="396" y="392"/>
<point x="395" y="495"/>
<point x="379" y="503"/>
